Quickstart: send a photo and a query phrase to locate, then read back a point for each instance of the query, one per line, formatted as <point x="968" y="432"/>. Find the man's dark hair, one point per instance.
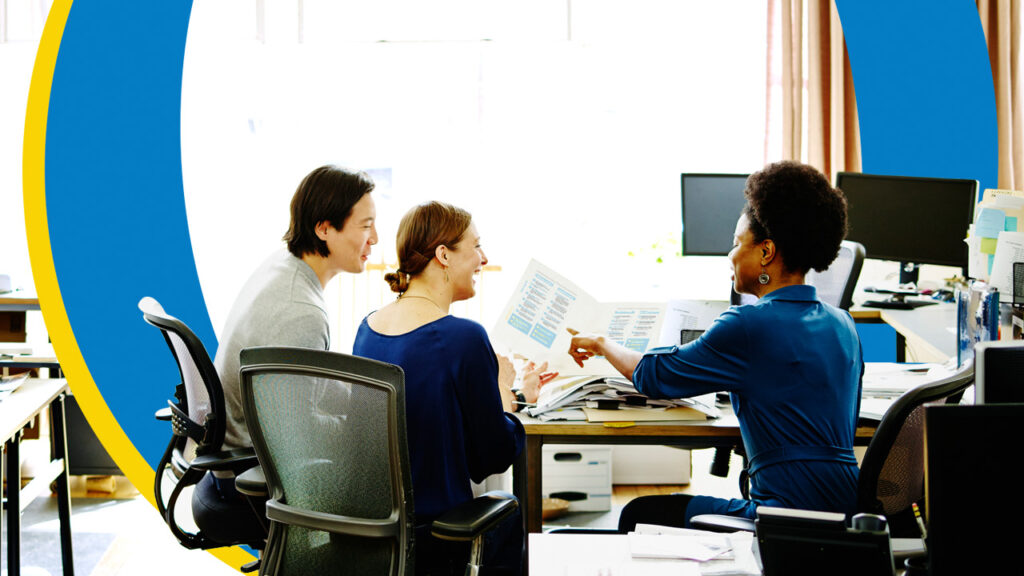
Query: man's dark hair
<point x="326" y="194"/>
<point x="795" y="206"/>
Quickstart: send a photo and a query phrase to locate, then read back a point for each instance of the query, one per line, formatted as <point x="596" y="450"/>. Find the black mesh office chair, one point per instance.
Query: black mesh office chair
<point x="836" y="284"/>
<point x="329" y="430"/>
<point x="197" y="420"/>
<point x="892" y="471"/>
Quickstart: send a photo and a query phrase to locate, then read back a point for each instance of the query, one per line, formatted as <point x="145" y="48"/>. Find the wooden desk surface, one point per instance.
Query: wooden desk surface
<point x="18" y="301"/>
<point x="32" y="397"/>
<point x="930" y="331"/>
<point x="725" y="427"/>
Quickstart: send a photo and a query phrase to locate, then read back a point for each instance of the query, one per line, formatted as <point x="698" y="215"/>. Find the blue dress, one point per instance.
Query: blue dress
<point x="792" y="365"/>
<point x="456" y="426"/>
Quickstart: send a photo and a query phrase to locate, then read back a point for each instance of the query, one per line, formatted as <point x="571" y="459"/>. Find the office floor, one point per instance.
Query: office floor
<point x="125" y="536"/>
<point x="701" y="482"/>
<point x="119" y="536"/>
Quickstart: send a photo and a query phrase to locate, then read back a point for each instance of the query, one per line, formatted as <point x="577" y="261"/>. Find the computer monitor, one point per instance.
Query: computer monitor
<point x="999" y="372"/>
<point x="908" y="219"/>
<point x="711" y="205"/>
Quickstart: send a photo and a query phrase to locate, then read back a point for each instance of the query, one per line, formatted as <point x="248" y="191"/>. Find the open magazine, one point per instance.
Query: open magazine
<point x="535" y="322"/>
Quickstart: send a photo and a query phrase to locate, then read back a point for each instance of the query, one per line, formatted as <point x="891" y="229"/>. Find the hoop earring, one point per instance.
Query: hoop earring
<point x="764" y="278"/>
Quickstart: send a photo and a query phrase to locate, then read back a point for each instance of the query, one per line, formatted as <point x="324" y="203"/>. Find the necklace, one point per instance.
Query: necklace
<point x="404" y="296"/>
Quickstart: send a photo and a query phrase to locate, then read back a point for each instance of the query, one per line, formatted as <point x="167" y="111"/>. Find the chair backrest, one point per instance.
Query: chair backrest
<point x="329" y="432"/>
<point x="203" y="399"/>
<point x="836" y="284"/>
<point x="892" y="472"/>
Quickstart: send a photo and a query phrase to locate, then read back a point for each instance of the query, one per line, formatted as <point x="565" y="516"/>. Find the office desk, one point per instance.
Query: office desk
<point x="528" y="468"/>
<point x="16" y="412"/>
<point x="930" y="331"/>
<point x="18" y="302"/>
<point x="608" y="554"/>
<point x="25" y="302"/>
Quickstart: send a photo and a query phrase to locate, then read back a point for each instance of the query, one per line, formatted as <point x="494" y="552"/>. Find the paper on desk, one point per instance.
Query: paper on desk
<point x="888" y="379"/>
<point x="737" y="556"/>
<point x="1010" y="249"/>
<point x="9" y="384"/>
<point x="672" y="546"/>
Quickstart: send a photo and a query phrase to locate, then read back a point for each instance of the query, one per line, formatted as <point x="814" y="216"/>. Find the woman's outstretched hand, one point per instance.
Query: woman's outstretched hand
<point x="534" y="378"/>
<point x="584" y="346"/>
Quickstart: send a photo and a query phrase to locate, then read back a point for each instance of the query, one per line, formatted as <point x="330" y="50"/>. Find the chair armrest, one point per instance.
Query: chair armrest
<point x="722" y="523"/>
<point x="234" y="460"/>
<point x="467" y="521"/>
<point x="163" y="414"/>
<point x="252" y="482"/>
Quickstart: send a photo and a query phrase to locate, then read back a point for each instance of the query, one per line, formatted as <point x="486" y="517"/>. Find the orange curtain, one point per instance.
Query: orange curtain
<point x="1001" y="21"/>
<point x="811" y="104"/>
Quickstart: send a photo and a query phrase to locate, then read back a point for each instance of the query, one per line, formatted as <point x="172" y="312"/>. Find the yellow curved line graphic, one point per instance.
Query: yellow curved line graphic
<point x="98" y="414"/>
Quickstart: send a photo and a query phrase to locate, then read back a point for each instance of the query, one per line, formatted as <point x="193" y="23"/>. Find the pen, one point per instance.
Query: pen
<point x="920" y="522"/>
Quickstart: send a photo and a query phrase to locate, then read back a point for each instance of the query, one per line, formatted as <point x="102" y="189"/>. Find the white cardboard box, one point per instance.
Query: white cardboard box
<point x="580" y="474"/>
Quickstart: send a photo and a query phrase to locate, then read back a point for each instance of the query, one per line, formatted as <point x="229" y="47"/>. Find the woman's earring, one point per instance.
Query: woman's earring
<point x="446" y="275"/>
<point x="764" y="278"/>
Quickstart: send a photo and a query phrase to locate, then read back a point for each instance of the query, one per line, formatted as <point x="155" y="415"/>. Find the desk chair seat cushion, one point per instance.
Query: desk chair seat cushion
<point x="225" y="519"/>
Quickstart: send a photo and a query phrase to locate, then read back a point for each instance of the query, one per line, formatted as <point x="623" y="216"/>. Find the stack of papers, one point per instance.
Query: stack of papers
<point x="608" y="399"/>
<point x="884" y="382"/>
<point x="996" y="239"/>
<point x="892" y="380"/>
<point x="718" y="554"/>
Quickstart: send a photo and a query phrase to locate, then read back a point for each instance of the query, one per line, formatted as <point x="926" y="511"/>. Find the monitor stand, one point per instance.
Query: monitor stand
<point x="909" y="273"/>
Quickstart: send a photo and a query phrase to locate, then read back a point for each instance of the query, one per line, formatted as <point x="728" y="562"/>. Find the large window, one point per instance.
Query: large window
<point x="562" y="126"/>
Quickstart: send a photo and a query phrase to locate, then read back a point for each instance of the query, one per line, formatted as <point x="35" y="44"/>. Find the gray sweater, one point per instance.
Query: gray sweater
<point x="281" y="304"/>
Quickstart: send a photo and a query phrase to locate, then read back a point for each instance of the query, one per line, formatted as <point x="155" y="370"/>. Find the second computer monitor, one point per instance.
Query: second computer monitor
<point x="909" y="219"/>
<point x="711" y="205"/>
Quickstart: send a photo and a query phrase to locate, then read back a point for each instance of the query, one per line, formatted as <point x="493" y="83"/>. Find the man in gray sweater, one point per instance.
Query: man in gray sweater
<point x="332" y="230"/>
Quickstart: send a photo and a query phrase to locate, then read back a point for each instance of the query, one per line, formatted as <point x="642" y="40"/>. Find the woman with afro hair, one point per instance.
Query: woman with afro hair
<point x="791" y="363"/>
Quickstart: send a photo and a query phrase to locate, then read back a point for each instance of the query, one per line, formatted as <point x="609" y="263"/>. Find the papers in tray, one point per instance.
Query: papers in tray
<point x="891" y="379"/>
<point x="605" y="399"/>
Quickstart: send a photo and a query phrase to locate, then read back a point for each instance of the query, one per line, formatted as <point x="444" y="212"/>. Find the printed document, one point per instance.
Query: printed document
<point x="545" y="304"/>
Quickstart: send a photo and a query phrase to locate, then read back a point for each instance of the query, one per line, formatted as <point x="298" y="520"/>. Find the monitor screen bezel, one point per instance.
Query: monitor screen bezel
<point x="682" y="205"/>
<point x="961" y="262"/>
